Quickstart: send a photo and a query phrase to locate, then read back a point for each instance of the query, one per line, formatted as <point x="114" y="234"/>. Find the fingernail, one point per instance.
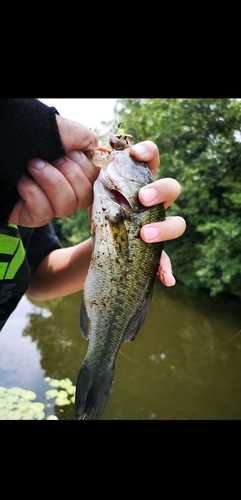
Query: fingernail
<point x="172" y="280"/>
<point x="74" y="156"/>
<point x="37" y="163"/>
<point x="150" y="233"/>
<point x="149" y="194"/>
<point x="58" y="162"/>
<point x="166" y="278"/>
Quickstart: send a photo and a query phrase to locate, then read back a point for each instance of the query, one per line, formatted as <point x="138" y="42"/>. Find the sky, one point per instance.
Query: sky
<point x="90" y="111"/>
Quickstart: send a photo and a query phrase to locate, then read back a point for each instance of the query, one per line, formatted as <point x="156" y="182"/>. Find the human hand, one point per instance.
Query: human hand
<point x="59" y="188"/>
<point x="164" y="190"/>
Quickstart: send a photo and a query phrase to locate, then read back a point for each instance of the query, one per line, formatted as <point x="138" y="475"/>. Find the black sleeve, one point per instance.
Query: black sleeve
<point x="42" y="241"/>
<point x="28" y="129"/>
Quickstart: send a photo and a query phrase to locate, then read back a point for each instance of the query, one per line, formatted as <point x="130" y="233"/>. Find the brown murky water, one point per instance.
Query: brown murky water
<point x="184" y="364"/>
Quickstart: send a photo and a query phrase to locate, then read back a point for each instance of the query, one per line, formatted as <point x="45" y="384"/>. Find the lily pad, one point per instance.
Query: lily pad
<point x="71" y="390"/>
<point x="3" y="391"/>
<point x="11" y="407"/>
<point x="36" y="407"/>
<point x="16" y="390"/>
<point x="62" y="401"/>
<point x="28" y="415"/>
<point x="3" y="413"/>
<point x="54" y="382"/>
<point x="18" y="404"/>
<point x="30" y="395"/>
<point x="62" y="394"/>
<point x="40" y="415"/>
<point x="51" y="393"/>
<point x="23" y="393"/>
<point x="24" y="406"/>
<point x="64" y="383"/>
<point x="14" y="415"/>
<point x="11" y="399"/>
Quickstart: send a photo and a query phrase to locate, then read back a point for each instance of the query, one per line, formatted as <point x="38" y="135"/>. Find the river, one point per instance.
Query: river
<point x="184" y="364"/>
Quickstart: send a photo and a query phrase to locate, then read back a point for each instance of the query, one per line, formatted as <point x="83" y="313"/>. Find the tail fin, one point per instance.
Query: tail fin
<point x="92" y="393"/>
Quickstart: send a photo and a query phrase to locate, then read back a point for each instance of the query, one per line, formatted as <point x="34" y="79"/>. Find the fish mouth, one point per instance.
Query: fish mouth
<point x="113" y="191"/>
<point x="118" y="197"/>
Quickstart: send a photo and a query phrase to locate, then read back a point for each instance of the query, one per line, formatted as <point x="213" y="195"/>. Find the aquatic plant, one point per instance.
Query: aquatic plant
<point x="19" y="404"/>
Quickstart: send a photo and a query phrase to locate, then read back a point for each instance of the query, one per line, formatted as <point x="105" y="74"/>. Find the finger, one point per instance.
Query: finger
<point x="164" y="190"/>
<point x="87" y="167"/>
<point x="147" y="151"/>
<point x="75" y="135"/>
<point x="169" y="229"/>
<point x="55" y="186"/>
<point x="80" y="174"/>
<point x="45" y="195"/>
<point x="165" y="270"/>
<point x="54" y="191"/>
<point x="33" y="208"/>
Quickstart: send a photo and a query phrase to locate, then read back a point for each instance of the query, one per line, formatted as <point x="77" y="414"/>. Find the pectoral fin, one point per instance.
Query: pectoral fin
<point x="84" y="320"/>
<point x="137" y="319"/>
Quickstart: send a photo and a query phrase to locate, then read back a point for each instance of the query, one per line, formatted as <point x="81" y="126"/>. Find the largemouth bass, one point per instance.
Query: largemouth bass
<point x="119" y="285"/>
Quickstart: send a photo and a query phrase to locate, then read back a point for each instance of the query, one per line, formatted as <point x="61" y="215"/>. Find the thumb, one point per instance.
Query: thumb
<point x="75" y="135"/>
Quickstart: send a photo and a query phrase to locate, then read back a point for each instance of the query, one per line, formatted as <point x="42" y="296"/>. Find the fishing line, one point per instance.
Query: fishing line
<point x="227" y="340"/>
<point x="119" y="129"/>
<point x="129" y="359"/>
<point x="117" y="112"/>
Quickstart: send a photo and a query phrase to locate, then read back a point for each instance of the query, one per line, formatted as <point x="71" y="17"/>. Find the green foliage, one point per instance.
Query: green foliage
<point x="200" y="146"/>
<point x="73" y="229"/>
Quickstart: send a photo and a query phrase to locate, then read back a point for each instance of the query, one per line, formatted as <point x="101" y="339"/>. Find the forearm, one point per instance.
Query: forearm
<point x="61" y="273"/>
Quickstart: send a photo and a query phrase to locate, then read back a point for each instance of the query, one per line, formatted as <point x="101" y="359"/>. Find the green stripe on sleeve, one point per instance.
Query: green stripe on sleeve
<point x="11" y="245"/>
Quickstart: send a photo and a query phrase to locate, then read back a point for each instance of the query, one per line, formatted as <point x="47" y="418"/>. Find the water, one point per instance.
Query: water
<point x="184" y="364"/>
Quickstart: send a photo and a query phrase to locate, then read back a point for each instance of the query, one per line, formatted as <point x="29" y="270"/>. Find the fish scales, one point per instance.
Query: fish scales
<point x="119" y="285"/>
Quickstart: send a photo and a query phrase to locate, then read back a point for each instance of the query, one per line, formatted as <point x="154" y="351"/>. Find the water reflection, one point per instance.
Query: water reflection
<point x="20" y="361"/>
<point x="184" y="364"/>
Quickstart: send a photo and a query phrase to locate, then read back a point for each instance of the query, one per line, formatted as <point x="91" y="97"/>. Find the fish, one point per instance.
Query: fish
<point x="119" y="285"/>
